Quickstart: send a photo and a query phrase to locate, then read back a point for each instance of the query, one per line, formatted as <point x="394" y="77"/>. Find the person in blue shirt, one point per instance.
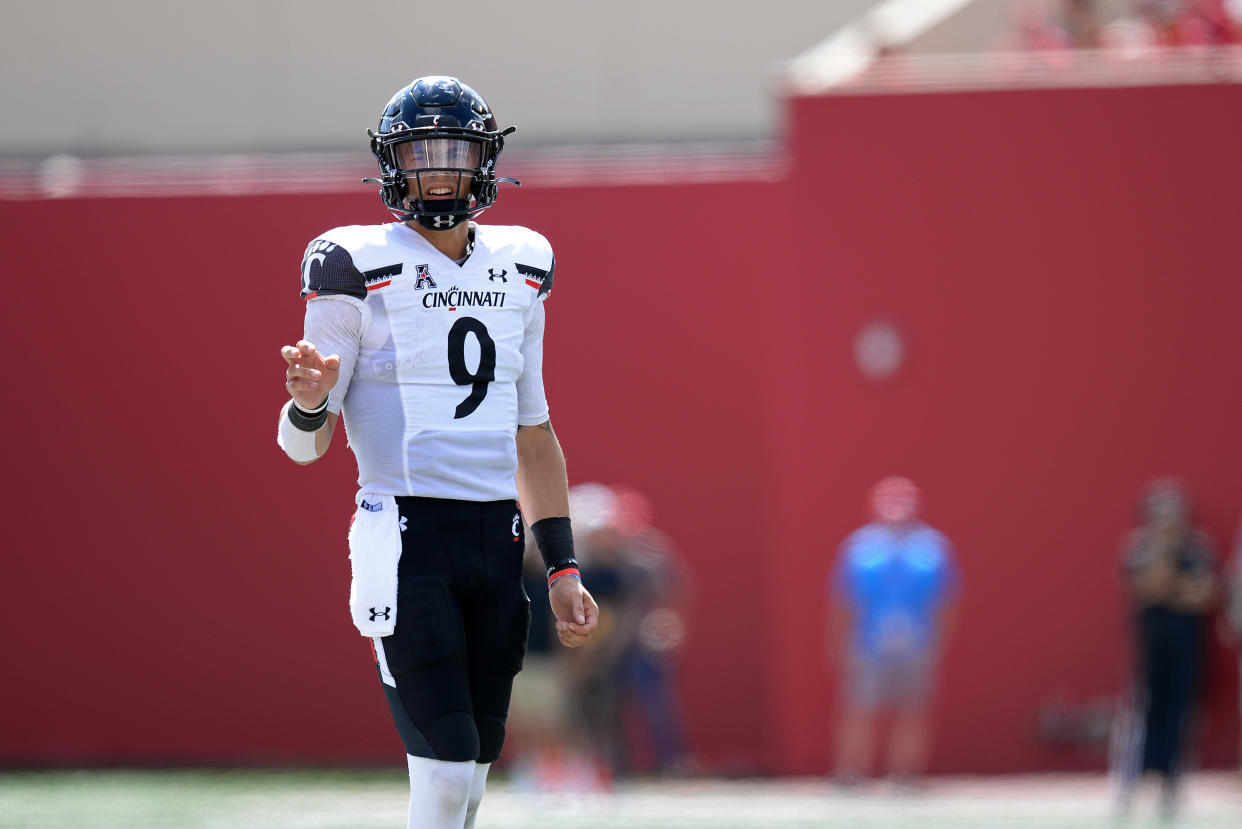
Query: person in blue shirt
<point x="892" y="593"/>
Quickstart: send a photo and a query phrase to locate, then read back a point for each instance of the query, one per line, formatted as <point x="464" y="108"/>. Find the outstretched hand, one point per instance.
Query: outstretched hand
<point x="575" y="610"/>
<point x="310" y="376"/>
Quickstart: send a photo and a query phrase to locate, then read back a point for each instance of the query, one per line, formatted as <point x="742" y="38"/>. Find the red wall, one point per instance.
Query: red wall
<point x="1064" y="265"/>
<point x="178" y="588"/>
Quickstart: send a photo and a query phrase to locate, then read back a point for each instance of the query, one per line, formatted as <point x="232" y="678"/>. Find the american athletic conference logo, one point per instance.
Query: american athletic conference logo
<point x="423" y="278"/>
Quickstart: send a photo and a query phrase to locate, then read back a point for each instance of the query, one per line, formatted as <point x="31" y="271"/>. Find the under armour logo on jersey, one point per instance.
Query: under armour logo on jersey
<point x="517" y="522"/>
<point x="403" y="526"/>
<point x="371" y="507"/>
<point x="424" y="280"/>
<point x="375" y="614"/>
<point x="492" y="276"/>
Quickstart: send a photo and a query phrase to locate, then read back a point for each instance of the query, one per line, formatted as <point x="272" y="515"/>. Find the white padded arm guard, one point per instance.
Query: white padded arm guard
<point x="297" y="444"/>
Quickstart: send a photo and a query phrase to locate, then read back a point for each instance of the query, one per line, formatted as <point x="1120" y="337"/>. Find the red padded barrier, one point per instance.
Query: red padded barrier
<point x="178" y="587"/>
<point x="1064" y="265"/>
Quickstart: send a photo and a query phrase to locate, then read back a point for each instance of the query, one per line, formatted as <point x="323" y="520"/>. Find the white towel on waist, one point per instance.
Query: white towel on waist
<point x="374" y="550"/>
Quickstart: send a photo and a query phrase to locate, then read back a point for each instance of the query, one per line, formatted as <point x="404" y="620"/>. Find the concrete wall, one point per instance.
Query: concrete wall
<point x="261" y="75"/>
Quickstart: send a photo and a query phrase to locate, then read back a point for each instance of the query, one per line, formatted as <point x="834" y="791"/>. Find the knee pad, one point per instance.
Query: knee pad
<point x="491" y="731"/>
<point x="453" y="737"/>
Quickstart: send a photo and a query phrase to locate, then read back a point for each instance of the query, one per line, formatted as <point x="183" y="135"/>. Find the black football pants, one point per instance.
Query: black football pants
<point x="462" y="622"/>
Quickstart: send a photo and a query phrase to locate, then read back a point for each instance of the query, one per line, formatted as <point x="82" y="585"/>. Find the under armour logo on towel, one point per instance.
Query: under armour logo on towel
<point x="375" y="614"/>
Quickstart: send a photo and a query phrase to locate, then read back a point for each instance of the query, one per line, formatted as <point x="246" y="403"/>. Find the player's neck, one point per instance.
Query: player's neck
<point x="452" y="242"/>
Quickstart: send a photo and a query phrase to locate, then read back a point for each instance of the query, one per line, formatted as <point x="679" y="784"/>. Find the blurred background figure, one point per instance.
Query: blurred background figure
<point x="1205" y="23"/>
<point x="1129" y="27"/>
<point x="555" y="753"/>
<point x="619" y="713"/>
<point x="623" y="689"/>
<point x="1233" y="622"/>
<point x="551" y="755"/>
<point x="893" y="591"/>
<point x="1169" y="568"/>
<point x="1066" y="24"/>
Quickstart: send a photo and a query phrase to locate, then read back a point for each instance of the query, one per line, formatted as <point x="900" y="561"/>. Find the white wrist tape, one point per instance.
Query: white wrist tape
<point x="297" y="444"/>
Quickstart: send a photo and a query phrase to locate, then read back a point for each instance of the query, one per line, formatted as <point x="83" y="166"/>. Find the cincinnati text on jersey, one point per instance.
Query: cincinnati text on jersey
<point x="454" y="298"/>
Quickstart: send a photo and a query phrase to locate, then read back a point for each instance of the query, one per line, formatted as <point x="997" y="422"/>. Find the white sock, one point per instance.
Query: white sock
<point x="439" y="792"/>
<point x="477" y="787"/>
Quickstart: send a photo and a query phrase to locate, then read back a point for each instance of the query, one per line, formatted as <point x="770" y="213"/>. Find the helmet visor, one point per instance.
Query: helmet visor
<point x="438" y="154"/>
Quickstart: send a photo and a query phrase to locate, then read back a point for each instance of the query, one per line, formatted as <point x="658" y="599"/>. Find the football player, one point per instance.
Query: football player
<point x="427" y="334"/>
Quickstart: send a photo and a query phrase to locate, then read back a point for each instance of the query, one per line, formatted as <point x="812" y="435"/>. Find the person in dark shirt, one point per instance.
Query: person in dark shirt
<point x="1169" y="569"/>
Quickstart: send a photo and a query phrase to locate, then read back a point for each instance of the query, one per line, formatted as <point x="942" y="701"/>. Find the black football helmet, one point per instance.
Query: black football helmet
<point x="434" y="135"/>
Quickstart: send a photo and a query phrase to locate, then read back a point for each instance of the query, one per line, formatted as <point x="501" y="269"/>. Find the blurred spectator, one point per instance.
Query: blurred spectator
<point x="1233" y="622"/>
<point x="1169" y="568"/>
<point x="1185" y="22"/>
<point x="1161" y="18"/>
<point x="619" y="705"/>
<point x="623" y="686"/>
<point x="893" y="592"/>
<point x="1206" y="23"/>
<point x="550" y="756"/>
<point x="1066" y="24"/>
<point x="1134" y="32"/>
<point x="556" y="753"/>
<point x="1082" y="22"/>
<point x="1036" y="30"/>
<point x="1130" y="37"/>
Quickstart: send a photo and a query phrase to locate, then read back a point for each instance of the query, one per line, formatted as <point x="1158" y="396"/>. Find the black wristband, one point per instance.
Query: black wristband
<point x="311" y="412"/>
<point x="305" y="422"/>
<point x="555" y="540"/>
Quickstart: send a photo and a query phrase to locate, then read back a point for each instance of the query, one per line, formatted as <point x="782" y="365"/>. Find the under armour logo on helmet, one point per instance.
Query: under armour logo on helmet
<point x="375" y="614"/>
<point x="493" y="276"/>
<point x="443" y="221"/>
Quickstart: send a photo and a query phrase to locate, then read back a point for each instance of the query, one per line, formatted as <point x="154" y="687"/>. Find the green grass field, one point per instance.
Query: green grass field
<point x="352" y="800"/>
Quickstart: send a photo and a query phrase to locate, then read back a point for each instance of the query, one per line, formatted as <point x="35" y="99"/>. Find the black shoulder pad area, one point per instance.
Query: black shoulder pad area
<point x="327" y="268"/>
<point x="538" y="277"/>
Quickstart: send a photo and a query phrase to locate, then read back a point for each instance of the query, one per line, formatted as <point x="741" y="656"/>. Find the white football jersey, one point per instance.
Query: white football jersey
<point x="440" y="362"/>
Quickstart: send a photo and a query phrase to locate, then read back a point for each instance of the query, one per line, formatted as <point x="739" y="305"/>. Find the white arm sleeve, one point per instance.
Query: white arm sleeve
<point x="334" y="323"/>
<point x="532" y="403"/>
